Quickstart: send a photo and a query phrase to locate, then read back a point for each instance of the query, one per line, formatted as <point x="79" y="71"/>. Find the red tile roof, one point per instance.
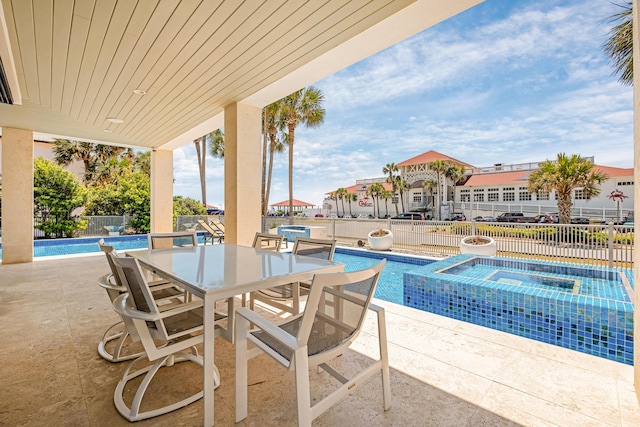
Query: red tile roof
<point x="516" y="178"/>
<point x="522" y="177"/>
<point x="296" y="202"/>
<point x="431" y="156"/>
<point x="613" y="171"/>
<point x="362" y="187"/>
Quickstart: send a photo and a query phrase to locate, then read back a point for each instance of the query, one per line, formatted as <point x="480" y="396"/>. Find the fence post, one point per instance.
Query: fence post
<point x="610" y="229"/>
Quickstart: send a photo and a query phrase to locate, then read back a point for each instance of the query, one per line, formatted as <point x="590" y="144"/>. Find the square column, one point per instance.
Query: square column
<point x="161" y="191"/>
<point x="636" y="193"/>
<point x="17" y="195"/>
<point x="242" y="173"/>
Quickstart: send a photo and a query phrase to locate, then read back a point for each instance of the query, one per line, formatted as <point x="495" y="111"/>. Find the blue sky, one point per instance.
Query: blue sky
<point x="508" y="81"/>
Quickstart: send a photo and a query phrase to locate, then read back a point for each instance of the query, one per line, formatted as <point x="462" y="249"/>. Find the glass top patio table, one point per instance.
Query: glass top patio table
<point x="215" y="272"/>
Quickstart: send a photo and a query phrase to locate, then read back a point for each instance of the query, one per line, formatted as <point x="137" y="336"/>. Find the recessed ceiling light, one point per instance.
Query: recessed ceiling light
<point x="115" y="120"/>
<point x="107" y="130"/>
<point x="139" y="92"/>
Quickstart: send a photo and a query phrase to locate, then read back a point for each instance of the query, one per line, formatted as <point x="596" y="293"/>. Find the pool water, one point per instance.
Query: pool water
<point x="390" y="283"/>
<point x="582" y="308"/>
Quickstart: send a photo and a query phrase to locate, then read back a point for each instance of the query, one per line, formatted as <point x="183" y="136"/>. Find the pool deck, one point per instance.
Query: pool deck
<point x="444" y="372"/>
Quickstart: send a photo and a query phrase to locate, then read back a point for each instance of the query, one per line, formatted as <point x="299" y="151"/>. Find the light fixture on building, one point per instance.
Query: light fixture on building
<point x="115" y="120"/>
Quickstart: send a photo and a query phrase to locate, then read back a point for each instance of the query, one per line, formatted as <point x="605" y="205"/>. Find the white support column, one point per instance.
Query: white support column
<point x="242" y="183"/>
<point x="636" y="203"/>
<point x="17" y="195"/>
<point x="161" y="191"/>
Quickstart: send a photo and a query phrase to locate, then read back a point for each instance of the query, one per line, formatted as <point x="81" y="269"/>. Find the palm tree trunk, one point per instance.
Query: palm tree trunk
<point x="201" y="144"/>
<point x="265" y="135"/>
<point x="268" y="186"/>
<point x="292" y="130"/>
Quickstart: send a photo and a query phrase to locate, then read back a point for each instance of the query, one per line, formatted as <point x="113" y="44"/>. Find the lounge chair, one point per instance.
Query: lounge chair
<point x="312" y="339"/>
<point x="213" y="234"/>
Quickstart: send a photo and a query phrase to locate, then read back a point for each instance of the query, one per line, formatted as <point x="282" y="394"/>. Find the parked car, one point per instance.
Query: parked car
<point x="546" y="219"/>
<point x="319" y="216"/>
<point x="514" y="217"/>
<point x="410" y="215"/>
<point x="458" y="216"/>
<point x="484" y="219"/>
<point x="580" y="220"/>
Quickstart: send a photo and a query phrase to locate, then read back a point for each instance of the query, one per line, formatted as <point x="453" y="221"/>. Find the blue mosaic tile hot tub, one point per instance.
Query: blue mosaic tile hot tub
<point x="580" y="308"/>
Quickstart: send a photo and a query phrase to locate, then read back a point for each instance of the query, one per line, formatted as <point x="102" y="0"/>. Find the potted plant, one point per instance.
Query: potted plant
<point x="478" y="245"/>
<point x="380" y="239"/>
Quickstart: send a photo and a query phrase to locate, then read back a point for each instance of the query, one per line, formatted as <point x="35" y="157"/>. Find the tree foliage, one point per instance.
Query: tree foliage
<point x="619" y="46"/>
<point x="187" y="206"/>
<point x="564" y="175"/>
<point x="57" y="194"/>
<point x="301" y="107"/>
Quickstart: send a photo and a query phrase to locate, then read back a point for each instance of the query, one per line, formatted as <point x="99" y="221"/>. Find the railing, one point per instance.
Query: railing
<point x="605" y="245"/>
<point x="596" y="244"/>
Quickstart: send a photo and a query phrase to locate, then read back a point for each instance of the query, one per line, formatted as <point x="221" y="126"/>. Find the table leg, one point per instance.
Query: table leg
<point x="209" y="361"/>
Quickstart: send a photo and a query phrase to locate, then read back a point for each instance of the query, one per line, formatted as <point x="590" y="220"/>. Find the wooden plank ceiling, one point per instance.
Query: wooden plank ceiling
<point x="78" y="62"/>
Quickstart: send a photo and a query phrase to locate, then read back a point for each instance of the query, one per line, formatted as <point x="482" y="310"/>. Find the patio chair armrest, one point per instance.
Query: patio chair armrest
<point x="375" y="308"/>
<point x="270" y="328"/>
<point x="121" y="306"/>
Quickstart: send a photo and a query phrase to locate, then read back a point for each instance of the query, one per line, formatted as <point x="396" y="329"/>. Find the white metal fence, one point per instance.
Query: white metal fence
<point x="605" y="245"/>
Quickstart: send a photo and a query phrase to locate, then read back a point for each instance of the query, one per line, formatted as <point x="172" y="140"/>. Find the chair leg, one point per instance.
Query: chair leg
<point x="133" y="413"/>
<point x="120" y="339"/>
<point x="303" y="392"/>
<point x="384" y="359"/>
<point x="241" y="369"/>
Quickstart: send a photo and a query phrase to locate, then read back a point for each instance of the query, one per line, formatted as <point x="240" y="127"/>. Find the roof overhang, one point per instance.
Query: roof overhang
<point x="74" y="65"/>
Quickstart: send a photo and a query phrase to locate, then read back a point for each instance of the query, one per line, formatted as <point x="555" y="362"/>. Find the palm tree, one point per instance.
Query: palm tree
<point x="341" y="194"/>
<point x="67" y="151"/>
<point x="564" y="175"/>
<point x="429" y="185"/>
<point x="201" y="153"/>
<point x="390" y="169"/>
<point x="332" y="196"/>
<point x="375" y="190"/>
<point x="440" y="168"/>
<point x="455" y="174"/>
<point x="619" y="46"/>
<point x="351" y="197"/>
<point x="275" y="140"/>
<point x="403" y="187"/>
<point x="303" y="106"/>
<point x="386" y="195"/>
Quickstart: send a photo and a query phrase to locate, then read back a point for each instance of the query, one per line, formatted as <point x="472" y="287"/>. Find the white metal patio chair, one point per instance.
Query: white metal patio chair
<point x="270" y="242"/>
<point x="118" y="333"/>
<point x="166" y="336"/>
<point x="309" y="340"/>
<point x="172" y="240"/>
<point x="287" y="297"/>
<point x="190" y="238"/>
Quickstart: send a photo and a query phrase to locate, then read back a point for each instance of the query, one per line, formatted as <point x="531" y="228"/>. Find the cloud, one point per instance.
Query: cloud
<point x="504" y="82"/>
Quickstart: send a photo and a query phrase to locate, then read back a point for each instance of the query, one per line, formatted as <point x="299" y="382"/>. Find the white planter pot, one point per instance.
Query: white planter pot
<point x="383" y="243"/>
<point x="478" y="245"/>
<point x="273" y="230"/>
<point x="114" y="233"/>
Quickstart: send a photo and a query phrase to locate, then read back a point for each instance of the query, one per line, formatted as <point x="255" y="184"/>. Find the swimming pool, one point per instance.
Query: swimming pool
<point x="581" y="308"/>
<point x="584" y="309"/>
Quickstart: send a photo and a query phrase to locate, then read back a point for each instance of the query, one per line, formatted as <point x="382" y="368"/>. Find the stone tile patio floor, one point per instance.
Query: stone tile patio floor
<point x="444" y="372"/>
